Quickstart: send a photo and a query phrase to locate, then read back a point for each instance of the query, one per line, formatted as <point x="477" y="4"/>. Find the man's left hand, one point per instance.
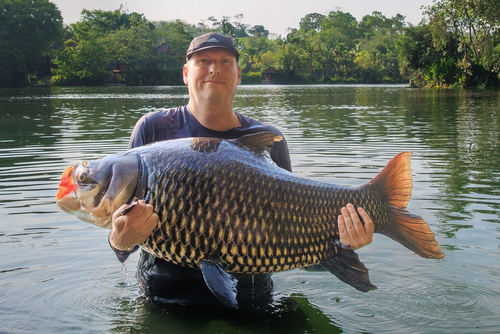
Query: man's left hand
<point x="355" y="230"/>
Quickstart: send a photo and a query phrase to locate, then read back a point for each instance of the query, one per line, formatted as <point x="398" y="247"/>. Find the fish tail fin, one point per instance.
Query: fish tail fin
<point x="396" y="183"/>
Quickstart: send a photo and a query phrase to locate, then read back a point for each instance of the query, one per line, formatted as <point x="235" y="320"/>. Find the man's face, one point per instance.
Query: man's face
<point x="212" y="75"/>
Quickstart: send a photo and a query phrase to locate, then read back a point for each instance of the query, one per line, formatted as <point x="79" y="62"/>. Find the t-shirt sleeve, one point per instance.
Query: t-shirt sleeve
<point x="138" y="136"/>
<point x="281" y="155"/>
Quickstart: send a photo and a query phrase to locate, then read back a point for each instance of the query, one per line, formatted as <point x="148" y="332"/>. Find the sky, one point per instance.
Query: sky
<point x="275" y="15"/>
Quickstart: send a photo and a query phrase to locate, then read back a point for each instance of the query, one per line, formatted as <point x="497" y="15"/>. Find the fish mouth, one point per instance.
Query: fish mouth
<point x="67" y="184"/>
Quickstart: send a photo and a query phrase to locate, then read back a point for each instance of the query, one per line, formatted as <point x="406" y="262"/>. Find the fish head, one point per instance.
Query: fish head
<point x="93" y="191"/>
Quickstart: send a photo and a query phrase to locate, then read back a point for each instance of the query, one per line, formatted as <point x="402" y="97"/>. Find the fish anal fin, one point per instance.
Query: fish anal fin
<point x="222" y="284"/>
<point x="347" y="267"/>
<point x="259" y="142"/>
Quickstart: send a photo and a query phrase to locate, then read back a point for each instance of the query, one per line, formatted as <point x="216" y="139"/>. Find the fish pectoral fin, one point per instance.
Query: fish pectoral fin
<point x="347" y="267"/>
<point x="221" y="283"/>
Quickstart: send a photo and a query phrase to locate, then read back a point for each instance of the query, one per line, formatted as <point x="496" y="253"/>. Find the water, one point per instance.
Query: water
<point x="57" y="274"/>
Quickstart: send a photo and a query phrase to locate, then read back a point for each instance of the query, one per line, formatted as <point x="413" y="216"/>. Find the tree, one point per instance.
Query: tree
<point x="377" y="57"/>
<point x="100" y="23"/>
<point x="83" y="64"/>
<point x="28" y="28"/>
<point x="127" y="46"/>
<point x="258" y="31"/>
<point x="177" y="36"/>
<point x="418" y="55"/>
<point x="311" y="22"/>
<point x="476" y="26"/>
<point x="224" y="26"/>
<point x="102" y="39"/>
<point x="290" y="56"/>
<point x="339" y="31"/>
<point x="240" y="28"/>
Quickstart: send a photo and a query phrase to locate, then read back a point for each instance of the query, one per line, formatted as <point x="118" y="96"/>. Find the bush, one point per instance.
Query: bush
<point x="251" y="78"/>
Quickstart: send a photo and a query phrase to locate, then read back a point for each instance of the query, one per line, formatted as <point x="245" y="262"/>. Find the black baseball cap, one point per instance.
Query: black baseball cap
<point x="209" y="41"/>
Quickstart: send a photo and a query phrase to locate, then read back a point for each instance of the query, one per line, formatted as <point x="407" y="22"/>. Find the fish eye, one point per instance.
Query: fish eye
<point x="82" y="177"/>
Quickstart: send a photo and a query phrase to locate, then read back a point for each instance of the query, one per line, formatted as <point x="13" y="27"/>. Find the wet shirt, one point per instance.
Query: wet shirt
<point x="171" y="283"/>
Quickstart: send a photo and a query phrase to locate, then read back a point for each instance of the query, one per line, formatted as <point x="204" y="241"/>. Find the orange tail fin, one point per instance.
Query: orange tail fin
<point x="396" y="182"/>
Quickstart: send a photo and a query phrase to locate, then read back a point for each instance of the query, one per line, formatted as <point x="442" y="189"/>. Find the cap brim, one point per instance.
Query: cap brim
<point x="213" y="47"/>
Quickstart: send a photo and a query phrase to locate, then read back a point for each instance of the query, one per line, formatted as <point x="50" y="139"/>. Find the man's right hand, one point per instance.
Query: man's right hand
<point x="134" y="227"/>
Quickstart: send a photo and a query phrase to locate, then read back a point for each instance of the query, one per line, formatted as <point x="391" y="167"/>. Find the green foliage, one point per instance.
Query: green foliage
<point x="83" y="64"/>
<point x="474" y="25"/>
<point x="339" y="31"/>
<point x="377" y="57"/>
<point x="28" y="30"/>
<point x="458" y="46"/>
<point x="153" y="55"/>
<point x="99" y="23"/>
<point x="443" y="72"/>
<point x="311" y="22"/>
<point x="252" y="78"/>
<point x="148" y="73"/>
<point x="128" y="46"/>
<point x="336" y="48"/>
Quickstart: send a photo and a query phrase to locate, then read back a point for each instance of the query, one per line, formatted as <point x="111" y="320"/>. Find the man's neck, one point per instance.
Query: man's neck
<point x="216" y="119"/>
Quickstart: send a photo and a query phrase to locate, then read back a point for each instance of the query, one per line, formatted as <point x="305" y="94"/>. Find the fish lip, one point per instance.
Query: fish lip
<point x="64" y="186"/>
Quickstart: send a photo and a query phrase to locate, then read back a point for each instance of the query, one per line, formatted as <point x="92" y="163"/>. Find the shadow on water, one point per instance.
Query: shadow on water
<point x="147" y="317"/>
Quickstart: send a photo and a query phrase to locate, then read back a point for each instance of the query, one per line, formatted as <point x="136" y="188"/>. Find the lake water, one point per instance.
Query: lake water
<point x="58" y="274"/>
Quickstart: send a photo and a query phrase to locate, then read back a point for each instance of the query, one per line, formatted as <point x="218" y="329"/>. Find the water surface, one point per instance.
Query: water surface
<point x="58" y="274"/>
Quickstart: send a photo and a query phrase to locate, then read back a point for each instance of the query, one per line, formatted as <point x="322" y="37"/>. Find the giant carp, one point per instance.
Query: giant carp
<point x="225" y="207"/>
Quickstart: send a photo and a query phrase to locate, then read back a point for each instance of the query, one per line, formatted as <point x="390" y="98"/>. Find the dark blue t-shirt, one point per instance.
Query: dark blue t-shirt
<point x="166" y="281"/>
<point x="180" y="123"/>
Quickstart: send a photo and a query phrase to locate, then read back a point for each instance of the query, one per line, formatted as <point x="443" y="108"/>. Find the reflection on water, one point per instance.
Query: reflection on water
<point x="58" y="274"/>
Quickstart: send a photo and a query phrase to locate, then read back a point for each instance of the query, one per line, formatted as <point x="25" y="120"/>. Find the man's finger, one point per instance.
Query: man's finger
<point x="127" y="209"/>
<point x="369" y="228"/>
<point x="346" y="229"/>
<point x="349" y="225"/>
<point x="358" y="225"/>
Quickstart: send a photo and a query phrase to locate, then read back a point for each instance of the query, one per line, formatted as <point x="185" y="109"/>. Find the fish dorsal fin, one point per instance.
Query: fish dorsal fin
<point x="205" y="145"/>
<point x="222" y="284"/>
<point x="259" y="142"/>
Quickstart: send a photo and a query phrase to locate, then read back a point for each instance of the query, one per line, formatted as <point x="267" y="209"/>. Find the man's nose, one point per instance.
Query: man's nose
<point x="214" y="68"/>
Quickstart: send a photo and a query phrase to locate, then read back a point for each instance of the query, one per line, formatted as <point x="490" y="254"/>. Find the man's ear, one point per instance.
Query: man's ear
<point x="184" y="74"/>
<point x="239" y="75"/>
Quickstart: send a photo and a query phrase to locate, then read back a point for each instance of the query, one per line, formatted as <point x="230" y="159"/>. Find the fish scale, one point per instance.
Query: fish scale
<point x="225" y="208"/>
<point x="259" y="220"/>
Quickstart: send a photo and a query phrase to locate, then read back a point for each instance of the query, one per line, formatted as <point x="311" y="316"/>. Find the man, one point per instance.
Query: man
<point x="212" y="74"/>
